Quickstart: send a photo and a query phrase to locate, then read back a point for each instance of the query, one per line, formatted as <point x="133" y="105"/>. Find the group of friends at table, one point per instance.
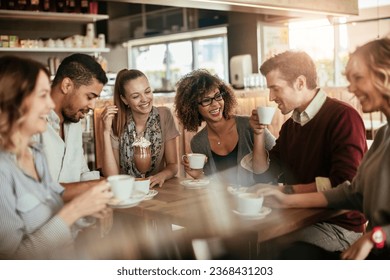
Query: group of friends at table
<point x="320" y="159"/>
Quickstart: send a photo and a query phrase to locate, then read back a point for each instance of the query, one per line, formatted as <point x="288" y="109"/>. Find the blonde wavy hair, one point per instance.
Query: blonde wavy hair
<point x="18" y="77"/>
<point x="376" y="56"/>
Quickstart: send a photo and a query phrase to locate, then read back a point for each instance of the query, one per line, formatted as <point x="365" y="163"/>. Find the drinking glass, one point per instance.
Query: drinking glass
<point x="142" y="159"/>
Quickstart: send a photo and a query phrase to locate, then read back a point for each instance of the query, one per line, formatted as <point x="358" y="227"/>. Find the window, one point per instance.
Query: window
<point x="165" y="59"/>
<point x="329" y="41"/>
<point x="316" y="37"/>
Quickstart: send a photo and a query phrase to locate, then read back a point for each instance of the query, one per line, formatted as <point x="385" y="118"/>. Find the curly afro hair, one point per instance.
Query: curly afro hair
<point x="191" y="88"/>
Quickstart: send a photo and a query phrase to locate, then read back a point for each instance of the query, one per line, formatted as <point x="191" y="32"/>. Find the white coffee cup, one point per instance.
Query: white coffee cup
<point x="121" y="186"/>
<point x="196" y="161"/>
<point x="142" y="185"/>
<point x="249" y="203"/>
<point x="90" y="30"/>
<point x="101" y="41"/>
<point x="265" y="114"/>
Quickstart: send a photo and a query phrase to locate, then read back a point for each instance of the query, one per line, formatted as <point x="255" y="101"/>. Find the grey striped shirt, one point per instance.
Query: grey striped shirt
<point x="29" y="227"/>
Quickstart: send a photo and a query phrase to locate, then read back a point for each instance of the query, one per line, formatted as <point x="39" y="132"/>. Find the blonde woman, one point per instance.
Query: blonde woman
<point x="35" y="222"/>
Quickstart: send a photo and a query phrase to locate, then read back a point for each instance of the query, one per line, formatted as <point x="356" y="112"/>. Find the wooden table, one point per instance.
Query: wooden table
<point x="208" y="212"/>
<point x="145" y="231"/>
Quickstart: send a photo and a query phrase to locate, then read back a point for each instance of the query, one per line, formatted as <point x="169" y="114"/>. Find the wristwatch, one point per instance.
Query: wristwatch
<point x="378" y="237"/>
<point x="288" y="189"/>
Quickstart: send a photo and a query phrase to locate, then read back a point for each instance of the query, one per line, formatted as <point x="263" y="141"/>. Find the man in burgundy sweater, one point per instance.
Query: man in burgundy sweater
<point x="319" y="147"/>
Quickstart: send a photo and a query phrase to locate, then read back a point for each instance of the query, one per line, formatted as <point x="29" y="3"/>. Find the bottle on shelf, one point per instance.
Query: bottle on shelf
<point x="22" y="5"/>
<point x="12" y="5"/>
<point x="72" y="6"/>
<point x="84" y="6"/>
<point x="35" y="5"/>
<point x="48" y="5"/>
<point x="93" y="7"/>
<point x="60" y="6"/>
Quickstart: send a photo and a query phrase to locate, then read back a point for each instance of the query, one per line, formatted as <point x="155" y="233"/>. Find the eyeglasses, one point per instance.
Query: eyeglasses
<point x="208" y="100"/>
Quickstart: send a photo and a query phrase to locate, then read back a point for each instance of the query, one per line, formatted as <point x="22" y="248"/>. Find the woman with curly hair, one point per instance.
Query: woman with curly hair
<point x="226" y="137"/>
<point x="133" y="115"/>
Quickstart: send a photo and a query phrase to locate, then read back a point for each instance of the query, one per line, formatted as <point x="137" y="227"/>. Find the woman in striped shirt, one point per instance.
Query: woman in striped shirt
<point x="35" y="223"/>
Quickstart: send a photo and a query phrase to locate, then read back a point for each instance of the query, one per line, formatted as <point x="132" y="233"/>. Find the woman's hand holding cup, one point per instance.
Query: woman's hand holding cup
<point x="90" y="203"/>
<point x="193" y="164"/>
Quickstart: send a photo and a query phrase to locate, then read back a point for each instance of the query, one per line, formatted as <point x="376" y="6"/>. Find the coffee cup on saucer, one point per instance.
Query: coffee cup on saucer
<point x="121" y="186"/>
<point x="249" y="203"/>
<point x="141" y="185"/>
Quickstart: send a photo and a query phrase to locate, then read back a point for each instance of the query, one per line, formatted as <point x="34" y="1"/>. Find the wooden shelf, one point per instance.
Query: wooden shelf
<point x="49" y="16"/>
<point x="157" y="13"/>
<point x="53" y="50"/>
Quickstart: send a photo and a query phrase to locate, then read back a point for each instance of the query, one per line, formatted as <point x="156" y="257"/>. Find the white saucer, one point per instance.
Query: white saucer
<point x="130" y="202"/>
<point x="86" y="221"/>
<point x="236" y="190"/>
<point x="150" y="194"/>
<point x="263" y="212"/>
<point x="195" y="183"/>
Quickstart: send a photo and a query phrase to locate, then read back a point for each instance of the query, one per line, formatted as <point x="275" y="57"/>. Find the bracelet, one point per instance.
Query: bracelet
<point x="288" y="189"/>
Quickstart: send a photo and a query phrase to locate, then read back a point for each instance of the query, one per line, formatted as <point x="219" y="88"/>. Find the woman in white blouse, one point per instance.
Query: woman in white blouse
<point x="35" y="223"/>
